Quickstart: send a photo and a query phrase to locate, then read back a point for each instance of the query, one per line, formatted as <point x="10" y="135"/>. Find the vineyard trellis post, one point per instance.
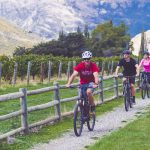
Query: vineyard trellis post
<point x="116" y="87"/>
<point x="68" y="70"/>
<point x="101" y="88"/>
<point x="49" y="70"/>
<point x="108" y="68"/>
<point x="103" y="68"/>
<point x="24" y="116"/>
<point x="42" y="72"/>
<point x="60" y="70"/>
<point x="15" y="74"/>
<point x="28" y="72"/>
<point x="112" y="67"/>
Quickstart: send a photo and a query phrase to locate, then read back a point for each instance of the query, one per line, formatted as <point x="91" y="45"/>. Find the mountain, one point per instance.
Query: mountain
<point x="48" y="17"/>
<point x="137" y="42"/>
<point x="12" y="36"/>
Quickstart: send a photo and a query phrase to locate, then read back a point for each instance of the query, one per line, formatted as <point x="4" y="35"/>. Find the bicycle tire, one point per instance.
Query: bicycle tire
<point x="143" y="90"/>
<point x="77" y="121"/>
<point x="148" y="91"/>
<point x="91" y="121"/>
<point x="130" y="99"/>
<point x="126" y="99"/>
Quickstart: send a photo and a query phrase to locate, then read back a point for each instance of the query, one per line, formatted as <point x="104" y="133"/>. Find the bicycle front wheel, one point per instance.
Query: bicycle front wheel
<point x="77" y="122"/>
<point x="126" y="100"/>
<point x="91" y="121"/>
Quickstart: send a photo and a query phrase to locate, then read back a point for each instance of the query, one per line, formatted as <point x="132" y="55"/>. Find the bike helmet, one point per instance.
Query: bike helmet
<point x="146" y="52"/>
<point x="127" y="52"/>
<point x="86" y="54"/>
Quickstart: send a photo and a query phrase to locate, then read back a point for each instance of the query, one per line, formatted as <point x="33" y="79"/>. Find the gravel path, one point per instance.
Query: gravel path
<point x="105" y="124"/>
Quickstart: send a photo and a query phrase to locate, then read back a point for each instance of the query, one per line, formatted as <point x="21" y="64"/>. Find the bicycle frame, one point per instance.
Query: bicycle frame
<point x="82" y="113"/>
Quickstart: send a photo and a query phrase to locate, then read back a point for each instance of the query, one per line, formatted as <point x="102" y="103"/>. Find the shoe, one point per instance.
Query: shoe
<point x="133" y="100"/>
<point x="93" y="108"/>
<point x="148" y="85"/>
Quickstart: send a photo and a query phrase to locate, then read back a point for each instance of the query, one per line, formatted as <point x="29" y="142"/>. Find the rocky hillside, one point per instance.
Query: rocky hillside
<point x="11" y="36"/>
<point x="48" y="17"/>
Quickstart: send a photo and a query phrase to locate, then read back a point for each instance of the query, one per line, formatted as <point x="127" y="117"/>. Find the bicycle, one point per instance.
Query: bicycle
<point x="82" y="113"/>
<point x="144" y="84"/>
<point x="128" y="98"/>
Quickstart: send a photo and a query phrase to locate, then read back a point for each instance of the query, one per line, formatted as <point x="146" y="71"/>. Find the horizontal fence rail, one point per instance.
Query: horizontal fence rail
<point x="56" y="103"/>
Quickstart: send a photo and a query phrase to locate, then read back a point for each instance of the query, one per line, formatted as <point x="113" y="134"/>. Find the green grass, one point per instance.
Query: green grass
<point x="52" y="131"/>
<point x="135" y="136"/>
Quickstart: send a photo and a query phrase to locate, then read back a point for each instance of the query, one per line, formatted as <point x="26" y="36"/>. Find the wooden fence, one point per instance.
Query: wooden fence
<point x="23" y="112"/>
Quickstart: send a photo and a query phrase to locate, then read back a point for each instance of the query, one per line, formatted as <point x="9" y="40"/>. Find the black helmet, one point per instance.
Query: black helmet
<point x="127" y="52"/>
<point x="146" y="52"/>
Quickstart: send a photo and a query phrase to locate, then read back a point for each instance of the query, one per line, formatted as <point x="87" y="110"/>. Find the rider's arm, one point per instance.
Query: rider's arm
<point x="96" y="77"/>
<point x="75" y="73"/>
<point x="137" y="69"/>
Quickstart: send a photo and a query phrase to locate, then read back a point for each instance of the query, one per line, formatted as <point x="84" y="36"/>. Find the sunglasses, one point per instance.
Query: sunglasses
<point x="86" y="58"/>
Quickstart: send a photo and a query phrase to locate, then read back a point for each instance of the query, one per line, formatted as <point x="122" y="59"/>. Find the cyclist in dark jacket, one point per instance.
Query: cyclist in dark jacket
<point x="130" y="68"/>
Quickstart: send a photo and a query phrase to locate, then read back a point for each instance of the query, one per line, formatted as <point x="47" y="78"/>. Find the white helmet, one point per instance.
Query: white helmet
<point x="86" y="54"/>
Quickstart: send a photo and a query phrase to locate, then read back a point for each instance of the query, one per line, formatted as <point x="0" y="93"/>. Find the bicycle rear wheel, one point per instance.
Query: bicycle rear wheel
<point x="143" y="90"/>
<point x="148" y="91"/>
<point x="91" y="121"/>
<point x="77" y="122"/>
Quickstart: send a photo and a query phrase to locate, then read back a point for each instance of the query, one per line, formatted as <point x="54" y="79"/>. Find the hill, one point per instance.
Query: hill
<point x="47" y="17"/>
<point x="12" y="36"/>
<point x="137" y="42"/>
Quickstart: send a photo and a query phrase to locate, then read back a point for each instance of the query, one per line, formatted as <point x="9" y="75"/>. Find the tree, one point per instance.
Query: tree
<point x="109" y="39"/>
<point x="86" y="32"/>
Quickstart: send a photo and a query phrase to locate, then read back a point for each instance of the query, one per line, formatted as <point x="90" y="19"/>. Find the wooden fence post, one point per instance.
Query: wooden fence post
<point x="101" y="88"/>
<point x="49" y="70"/>
<point x="60" y="70"/>
<point x="116" y="87"/>
<point x="0" y="72"/>
<point x="28" y="72"/>
<point x="57" y="97"/>
<point x="24" y="116"/>
<point x="15" y="73"/>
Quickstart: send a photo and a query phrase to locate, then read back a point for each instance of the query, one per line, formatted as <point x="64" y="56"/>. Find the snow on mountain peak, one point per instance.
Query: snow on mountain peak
<point x="48" y="17"/>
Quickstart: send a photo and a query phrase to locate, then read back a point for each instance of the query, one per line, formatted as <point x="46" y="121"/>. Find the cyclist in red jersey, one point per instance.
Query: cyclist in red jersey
<point x="88" y="72"/>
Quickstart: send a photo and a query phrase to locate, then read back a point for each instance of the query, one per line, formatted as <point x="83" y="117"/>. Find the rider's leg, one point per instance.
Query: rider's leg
<point x="133" y="92"/>
<point x="132" y="81"/>
<point x="91" y="99"/>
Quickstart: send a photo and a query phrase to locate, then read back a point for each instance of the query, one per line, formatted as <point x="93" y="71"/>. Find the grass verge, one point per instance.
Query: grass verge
<point x="135" y="136"/>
